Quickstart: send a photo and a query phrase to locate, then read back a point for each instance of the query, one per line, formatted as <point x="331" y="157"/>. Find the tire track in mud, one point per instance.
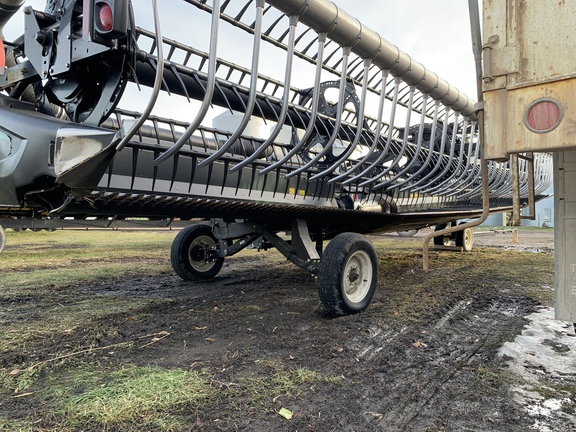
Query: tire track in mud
<point x="424" y="372"/>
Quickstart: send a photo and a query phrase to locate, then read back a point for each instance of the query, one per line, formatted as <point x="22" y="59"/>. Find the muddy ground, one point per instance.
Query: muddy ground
<point x="423" y="357"/>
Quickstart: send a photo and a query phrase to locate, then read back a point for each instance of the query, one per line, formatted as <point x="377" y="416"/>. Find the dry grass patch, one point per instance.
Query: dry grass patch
<point x="130" y="398"/>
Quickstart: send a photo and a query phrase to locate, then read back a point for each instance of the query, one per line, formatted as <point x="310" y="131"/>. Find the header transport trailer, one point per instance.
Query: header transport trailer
<point x="284" y="116"/>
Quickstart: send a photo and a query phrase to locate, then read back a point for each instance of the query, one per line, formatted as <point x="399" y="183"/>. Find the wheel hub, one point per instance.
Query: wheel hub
<point x="358" y="276"/>
<point x="354" y="275"/>
<point x="201" y="254"/>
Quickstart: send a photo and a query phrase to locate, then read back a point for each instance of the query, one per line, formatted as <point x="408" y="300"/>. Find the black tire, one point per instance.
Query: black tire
<point x="192" y="253"/>
<point x="465" y="239"/>
<point x="347" y="274"/>
<point x="442" y="240"/>
<point x="2" y="238"/>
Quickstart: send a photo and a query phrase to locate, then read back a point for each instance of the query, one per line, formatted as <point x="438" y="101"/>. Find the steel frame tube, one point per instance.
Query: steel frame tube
<point x="253" y="88"/>
<point x="359" y="129"/>
<point x="285" y="99"/>
<point x="211" y="84"/>
<point x="426" y="162"/>
<point x="339" y="111"/>
<point x="377" y="132"/>
<point x="313" y="114"/>
<point x="389" y="138"/>
<point x="157" y="81"/>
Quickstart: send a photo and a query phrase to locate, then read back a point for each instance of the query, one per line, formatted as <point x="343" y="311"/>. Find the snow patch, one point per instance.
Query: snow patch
<point x="543" y="357"/>
<point x="545" y="346"/>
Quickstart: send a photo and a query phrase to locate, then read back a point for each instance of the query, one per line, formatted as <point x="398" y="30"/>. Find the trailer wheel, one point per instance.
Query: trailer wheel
<point x="442" y="240"/>
<point x="2" y="238"/>
<point x="409" y="233"/>
<point x="465" y="239"/>
<point x="193" y="253"/>
<point x="347" y="274"/>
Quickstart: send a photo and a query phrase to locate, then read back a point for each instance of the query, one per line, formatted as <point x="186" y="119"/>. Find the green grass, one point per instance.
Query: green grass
<point x="131" y="398"/>
<point x="38" y="259"/>
<point x="16" y="425"/>
<point x="410" y="296"/>
<point x="41" y="272"/>
<point x="39" y="299"/>
<point x="276" y="383"/>
<point x="56" y="338"/>
<point x="153" y="398"/>
<point x="145" y="397"/>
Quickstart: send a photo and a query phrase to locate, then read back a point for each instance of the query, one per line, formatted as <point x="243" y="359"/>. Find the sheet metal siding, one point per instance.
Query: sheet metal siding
<point x="528" y="46"/>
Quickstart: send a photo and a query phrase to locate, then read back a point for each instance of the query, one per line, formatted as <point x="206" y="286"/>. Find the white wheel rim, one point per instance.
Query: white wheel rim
<point x="357" y="277"/>
<point x="2" y="238"/>
<point x="468" y="238"/>
<point x="196" y="253"/>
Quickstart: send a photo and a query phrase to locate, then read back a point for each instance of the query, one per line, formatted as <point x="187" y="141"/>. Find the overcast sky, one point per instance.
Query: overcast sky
<point x="434" y="32"/>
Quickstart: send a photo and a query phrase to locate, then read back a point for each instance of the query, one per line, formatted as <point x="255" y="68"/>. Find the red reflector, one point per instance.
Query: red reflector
<point x="105" y="17"/>
<point x="543" y="116"/>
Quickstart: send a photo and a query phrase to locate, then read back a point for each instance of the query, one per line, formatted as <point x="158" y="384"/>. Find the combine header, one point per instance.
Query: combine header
<point x="284" y="116"/>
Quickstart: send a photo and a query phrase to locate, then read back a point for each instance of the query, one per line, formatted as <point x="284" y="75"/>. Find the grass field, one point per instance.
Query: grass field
<point x="72" y="358"/>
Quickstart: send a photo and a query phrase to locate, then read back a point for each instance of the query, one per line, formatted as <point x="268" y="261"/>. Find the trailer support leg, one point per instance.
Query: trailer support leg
<point x="564" y="237"/>
<point x="301" y="250"/>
